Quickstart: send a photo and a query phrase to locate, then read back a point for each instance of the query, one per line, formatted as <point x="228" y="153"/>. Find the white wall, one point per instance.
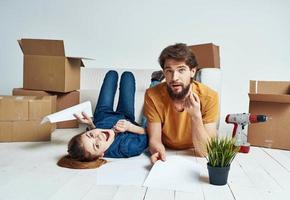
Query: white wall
<point x="253" y="36"/>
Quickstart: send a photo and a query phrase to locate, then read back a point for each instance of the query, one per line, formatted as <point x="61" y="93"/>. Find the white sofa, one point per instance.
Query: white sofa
<point x="92" y="78"/>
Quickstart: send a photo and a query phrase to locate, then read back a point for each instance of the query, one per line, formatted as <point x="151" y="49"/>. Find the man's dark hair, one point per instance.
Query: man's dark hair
<point x="76" y="149"/>
<point x="180" y="52"/>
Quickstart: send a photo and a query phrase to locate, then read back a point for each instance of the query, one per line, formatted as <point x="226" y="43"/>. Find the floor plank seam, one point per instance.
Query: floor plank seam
<point x="60" y="188"/>
<point x="231" y="191"/>
<point x="145" y="193"/>
<point x="269" y="174"/>
<point x="249" y="177"/>
<point x="88" y="191"/>
<point x="116" y="193"/>
<point x="275" y="160"/>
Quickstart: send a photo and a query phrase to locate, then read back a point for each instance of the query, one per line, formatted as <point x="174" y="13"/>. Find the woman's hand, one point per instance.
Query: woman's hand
<point x="85" y="119"/>
<point x="121" y="126"/>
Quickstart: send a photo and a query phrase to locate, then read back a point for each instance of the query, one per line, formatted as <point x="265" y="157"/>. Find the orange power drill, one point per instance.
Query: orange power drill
<point x="240" y="120"/>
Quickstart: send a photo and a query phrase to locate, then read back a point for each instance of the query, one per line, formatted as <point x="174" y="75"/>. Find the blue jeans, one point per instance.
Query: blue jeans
<point x="126" y="103"/>
<point x="126" y="144"/>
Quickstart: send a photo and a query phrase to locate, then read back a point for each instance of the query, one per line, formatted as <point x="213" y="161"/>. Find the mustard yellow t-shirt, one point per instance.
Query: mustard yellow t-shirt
<point x="176" y="126"/>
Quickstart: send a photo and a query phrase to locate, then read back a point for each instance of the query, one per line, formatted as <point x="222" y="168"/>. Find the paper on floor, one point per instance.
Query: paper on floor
<point x="129" y="171"/>
<point x="176" y="173"/>
<point x="67" y="114"/>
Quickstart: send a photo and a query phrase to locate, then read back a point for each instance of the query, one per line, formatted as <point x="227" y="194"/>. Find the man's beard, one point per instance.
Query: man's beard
<point x="179" y="95"/>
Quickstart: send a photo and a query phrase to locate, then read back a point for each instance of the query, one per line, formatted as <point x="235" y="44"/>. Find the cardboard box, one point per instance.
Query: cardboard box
<point x="271" y="98"/>
<point x="207" y="55"/>
<point x="24" y="131"/>
<point x="63" y="101"/>
<point x="20" y="118"/>
<point x="45" y="66"/>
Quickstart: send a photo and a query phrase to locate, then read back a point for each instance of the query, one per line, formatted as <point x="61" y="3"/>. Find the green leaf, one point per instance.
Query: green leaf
<point x="221" y="151"/>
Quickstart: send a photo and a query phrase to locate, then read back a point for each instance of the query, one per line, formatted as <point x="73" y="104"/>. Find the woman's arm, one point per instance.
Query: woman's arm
<point x="124" y="125"/>
<point x="136" y="129"/>
<point x="85" y="119"/>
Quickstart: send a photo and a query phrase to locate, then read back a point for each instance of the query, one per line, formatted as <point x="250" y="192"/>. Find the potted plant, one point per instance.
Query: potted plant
<point x="221" y="152"/>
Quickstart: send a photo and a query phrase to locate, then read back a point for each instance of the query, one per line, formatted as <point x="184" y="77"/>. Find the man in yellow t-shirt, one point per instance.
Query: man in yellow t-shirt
<point x="181" y="113"/>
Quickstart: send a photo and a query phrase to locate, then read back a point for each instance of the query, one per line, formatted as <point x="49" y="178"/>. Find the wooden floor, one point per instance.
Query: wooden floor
<point x="29" y="171"/>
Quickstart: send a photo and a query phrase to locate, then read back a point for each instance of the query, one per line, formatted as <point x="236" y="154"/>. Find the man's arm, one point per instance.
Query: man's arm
<point x="154" y="129"/>
<point x="201" y="133"/>
<point x="156" y="146"/>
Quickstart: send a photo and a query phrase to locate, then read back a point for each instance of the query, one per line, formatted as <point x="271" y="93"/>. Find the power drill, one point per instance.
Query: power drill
<point x="240" y="120"/>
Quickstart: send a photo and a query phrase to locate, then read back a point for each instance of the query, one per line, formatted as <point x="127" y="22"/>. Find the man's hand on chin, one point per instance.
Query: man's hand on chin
<point x="192" y="106"/>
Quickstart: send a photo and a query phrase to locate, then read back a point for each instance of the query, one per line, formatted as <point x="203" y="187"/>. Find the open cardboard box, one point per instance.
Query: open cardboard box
<point x="207" y="55"/>
<point x="45" y="66"/>
<point x="20" y="118"/>
<point x="63" y="101"/>
<point x="271" y="98"/>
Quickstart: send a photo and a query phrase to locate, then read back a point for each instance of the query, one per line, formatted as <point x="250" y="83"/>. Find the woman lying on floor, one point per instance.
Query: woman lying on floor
<point x="112" y="133"/>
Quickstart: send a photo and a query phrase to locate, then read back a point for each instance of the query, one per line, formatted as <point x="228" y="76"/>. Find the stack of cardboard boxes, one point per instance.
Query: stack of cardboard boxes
<point x="20" y="118"/>
<point x="63" y="101"/>
<point x="47" y="74"/>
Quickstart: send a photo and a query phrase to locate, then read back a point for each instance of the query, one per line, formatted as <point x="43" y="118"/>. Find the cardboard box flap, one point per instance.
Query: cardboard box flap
<point x="81" y="58"/>
<point x="270" y="87"/>
<point x="42" y="47"/>
<point x="277" y="98"/>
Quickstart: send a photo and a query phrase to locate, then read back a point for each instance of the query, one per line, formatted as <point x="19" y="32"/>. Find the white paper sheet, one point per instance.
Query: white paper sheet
<point x="176" y="173"/>
<point x="67" y="114"/>
<point x="128" y="171"/>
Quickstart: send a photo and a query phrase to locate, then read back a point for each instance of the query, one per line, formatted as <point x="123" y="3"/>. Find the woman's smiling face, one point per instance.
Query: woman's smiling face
<point x="97" y="141"/>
